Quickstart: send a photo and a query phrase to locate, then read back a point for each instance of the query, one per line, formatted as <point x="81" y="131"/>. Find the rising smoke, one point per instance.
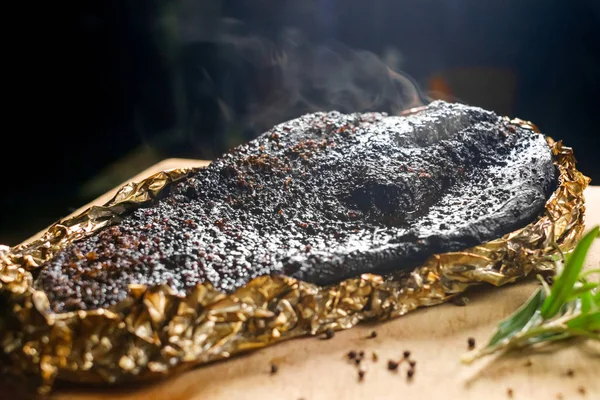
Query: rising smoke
<point x="241" y="84"/>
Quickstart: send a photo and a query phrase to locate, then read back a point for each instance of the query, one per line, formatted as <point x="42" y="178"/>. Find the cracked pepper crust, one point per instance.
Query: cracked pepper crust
<point x="323" y="197"/>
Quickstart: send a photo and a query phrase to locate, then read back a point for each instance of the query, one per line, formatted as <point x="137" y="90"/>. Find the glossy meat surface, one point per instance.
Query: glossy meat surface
<point x="321" y="198"/>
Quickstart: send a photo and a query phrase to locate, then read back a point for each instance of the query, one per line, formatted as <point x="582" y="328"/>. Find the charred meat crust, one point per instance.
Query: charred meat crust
<point x="321" y="198"/>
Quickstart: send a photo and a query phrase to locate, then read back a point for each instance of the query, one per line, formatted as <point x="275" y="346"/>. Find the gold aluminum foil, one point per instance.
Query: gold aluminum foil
<point x="154" y="332"/>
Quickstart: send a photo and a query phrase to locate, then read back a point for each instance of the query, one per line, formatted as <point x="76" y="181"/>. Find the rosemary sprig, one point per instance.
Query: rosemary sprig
<point x="569" y="308"/>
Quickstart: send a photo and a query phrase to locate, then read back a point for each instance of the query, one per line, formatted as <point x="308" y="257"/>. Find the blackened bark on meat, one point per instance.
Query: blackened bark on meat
<point x="321" y="198"/>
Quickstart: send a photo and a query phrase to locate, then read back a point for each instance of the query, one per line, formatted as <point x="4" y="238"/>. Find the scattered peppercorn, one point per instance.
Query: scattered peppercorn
<point x="471" y="343"/>
<point x="412" y="363"/>
<point x="570" y="372"/>
<point x="406" y="354"/>
<point x="357" y="361"/>
<point x="361" y="373"/>
<point x="274" y="369"/>
<point x="352" y="354"/>
<point x="329" y="333"/>
<point x="410" y="373"/>
<point x="510" y="392"/>
<point x="361" y="354"/>
<point x="393" y="365"/>
<point x="372" y="335"/>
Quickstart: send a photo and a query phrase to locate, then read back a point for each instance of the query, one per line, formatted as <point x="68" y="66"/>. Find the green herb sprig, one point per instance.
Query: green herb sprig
<point x="569" y="308"/>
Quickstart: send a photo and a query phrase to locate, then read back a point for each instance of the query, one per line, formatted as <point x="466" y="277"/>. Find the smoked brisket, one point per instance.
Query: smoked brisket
<point x="323" y="197"/>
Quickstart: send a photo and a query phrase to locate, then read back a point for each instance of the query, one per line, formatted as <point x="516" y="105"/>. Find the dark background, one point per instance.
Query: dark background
<point x="134" y="82"/>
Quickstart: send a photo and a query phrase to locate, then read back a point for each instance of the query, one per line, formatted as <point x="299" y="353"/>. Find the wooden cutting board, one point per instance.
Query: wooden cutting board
<point x="310" y="368"/>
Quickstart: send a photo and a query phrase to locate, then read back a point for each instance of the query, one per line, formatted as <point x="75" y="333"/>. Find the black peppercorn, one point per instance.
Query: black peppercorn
<point x="361" y="374"/>
<point x="570" y="372"/>
<point x="393" y="365"/>
<point x="471" y="343"/>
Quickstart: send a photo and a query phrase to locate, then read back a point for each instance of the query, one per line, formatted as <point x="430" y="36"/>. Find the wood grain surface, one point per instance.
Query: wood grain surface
<point x="312" y="368"/>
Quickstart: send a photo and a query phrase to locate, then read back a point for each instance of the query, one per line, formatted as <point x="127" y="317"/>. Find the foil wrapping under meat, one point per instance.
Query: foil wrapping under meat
<point x="155" y="332"/>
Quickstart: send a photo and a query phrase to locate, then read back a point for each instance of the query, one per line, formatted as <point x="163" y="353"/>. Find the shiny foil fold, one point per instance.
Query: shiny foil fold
<point x="155" y="332"/>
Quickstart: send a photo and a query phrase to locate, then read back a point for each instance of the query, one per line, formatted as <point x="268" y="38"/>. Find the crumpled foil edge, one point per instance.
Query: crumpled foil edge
<point x="155" y="332"/>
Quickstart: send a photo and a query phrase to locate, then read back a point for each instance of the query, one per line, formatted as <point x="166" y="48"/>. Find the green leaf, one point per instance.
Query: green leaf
<point x="587" y="302"/>
<point x="588" y="322"/>
<point x="515" y="322"/>
<point x="595" y="300"/>
<point x="563" y="285"/>
<point x="549" y="337"/>
<point x="590" y="272"/>
<point x="579" y="290"/>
